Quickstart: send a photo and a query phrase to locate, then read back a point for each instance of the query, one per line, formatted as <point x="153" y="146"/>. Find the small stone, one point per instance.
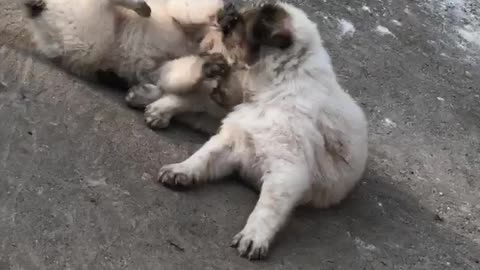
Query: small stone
<point x="438" y="218"/>
<point x="147" y="177"/>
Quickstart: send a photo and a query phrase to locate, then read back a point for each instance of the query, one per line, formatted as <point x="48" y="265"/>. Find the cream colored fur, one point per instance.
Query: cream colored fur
<point x="203" y="99"/>
<point x="181" y="98"/>
<point x="300" y="138"/>
<point x="91" y="35"/>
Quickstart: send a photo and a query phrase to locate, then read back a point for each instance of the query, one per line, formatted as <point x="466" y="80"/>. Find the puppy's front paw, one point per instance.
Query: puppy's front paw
<point x="156" y="117"/>
<point x="215" y="66"/>
<point x="175" y="175"/>
<point x="251" y="243"/>
<point x="140" y="96"/>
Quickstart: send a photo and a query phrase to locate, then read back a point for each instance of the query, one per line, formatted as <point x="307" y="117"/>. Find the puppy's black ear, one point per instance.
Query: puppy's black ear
<point x="270" y="28"/>
<point x="228" y="18"/>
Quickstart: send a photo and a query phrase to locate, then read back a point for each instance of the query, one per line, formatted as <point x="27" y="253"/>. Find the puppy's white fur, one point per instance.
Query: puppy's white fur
<point x="301" y="139"/>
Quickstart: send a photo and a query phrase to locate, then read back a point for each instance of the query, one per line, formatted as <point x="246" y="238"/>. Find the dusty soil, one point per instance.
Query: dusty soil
<point x="76" y="164"/>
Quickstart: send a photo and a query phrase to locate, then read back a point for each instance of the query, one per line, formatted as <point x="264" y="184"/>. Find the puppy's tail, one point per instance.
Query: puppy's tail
<point x="34" y="8"/>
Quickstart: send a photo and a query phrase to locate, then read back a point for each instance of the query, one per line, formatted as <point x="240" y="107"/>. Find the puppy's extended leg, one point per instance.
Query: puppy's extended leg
<point x="159" y="113"/>
<point x="180" y="76"/>
<point x="214" y="160"/>
<point x="139" y="96"/>
<point x="281" y="192"/>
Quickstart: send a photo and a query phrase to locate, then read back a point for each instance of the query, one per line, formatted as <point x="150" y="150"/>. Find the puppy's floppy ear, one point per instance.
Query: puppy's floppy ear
<point x="271" y="27"/>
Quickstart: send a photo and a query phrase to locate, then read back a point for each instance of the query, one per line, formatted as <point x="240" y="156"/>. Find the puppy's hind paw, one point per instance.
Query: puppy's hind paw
<point x="215" y="66"/>
<point x="155" y="118"/>
<point x="140" y="96"/>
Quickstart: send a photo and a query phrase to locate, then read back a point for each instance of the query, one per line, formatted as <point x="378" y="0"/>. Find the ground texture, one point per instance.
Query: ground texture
<point x="76" y="165"/>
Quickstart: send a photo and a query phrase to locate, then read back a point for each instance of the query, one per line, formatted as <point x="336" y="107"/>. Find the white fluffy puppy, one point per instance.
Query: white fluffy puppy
<point x="151" y="43"/>
<point x="299" y="138"/>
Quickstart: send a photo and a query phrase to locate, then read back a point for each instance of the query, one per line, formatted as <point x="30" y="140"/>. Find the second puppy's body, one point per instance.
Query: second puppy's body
<point x="153" y="44"/>
<point x="299" y="138"/>
<point x="107" y="34"/>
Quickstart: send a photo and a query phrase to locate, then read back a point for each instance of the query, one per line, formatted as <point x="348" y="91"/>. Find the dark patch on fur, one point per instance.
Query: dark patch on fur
<point x="268" y="28"/>
<point x="269" y="12"/>
<point x="234" y="27"/>
<point x="144" y="10"/>
<point x="247" y="31"/>
<point x="228" y="18"/>
<point x="35" y="8"/>
<point x="111" y="79"/>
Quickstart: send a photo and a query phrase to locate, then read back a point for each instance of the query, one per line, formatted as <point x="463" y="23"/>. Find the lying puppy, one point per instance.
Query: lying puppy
<point x="142" y="43"/>
<point x="299" y="137"/>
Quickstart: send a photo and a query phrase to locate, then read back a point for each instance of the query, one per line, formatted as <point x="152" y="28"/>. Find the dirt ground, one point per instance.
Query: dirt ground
<point x="76" y="164"/>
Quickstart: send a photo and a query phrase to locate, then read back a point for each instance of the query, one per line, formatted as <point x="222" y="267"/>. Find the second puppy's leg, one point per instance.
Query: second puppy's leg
<point x="139" y="96"/>
<point x="184" y="74"/>
<point x="159" y="113"/>
<point x="180" y="76"/>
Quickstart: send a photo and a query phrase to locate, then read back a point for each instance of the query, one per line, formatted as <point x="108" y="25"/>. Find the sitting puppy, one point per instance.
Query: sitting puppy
<point x="299" y="137"/>
<point x="142" y="43"/>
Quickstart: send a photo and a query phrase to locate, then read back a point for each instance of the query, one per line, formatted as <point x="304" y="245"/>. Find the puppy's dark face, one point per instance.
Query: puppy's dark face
<point x="253" y="28"/>
<point x="267" y="26"/>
